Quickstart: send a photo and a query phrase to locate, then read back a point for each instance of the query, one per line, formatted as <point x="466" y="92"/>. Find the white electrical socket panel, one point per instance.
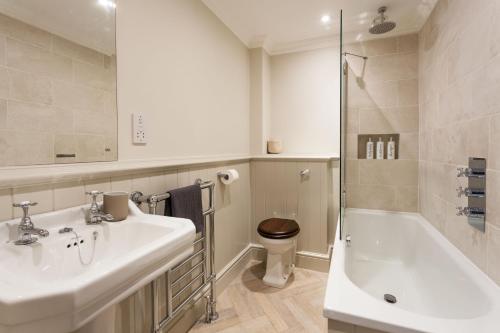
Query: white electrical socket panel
<point x="138" y="129"/>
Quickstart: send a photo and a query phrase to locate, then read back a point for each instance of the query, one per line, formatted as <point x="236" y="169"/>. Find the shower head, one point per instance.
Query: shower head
<point x="379" y="24"/>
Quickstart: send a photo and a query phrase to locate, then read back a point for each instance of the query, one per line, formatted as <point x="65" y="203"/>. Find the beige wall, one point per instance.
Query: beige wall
<point x="383" y="99"/>
<point x="187" y="73"/>
<point x="260" y="90"/>
<point x="55" y="97"/>
<point x="459" y="98"/>
<point x="278" y="190"/>
<point x="305" y="101"/>
<point x="232" y="202"/>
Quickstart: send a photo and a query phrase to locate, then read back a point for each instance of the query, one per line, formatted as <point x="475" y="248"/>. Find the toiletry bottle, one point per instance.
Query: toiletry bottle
<point x="380" y="149"/>
<point x="391" y="149"/>
<point x="369" y="149"/>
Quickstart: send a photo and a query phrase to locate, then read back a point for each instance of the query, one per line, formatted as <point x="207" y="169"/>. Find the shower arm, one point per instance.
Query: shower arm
<point x="356" y="55"/>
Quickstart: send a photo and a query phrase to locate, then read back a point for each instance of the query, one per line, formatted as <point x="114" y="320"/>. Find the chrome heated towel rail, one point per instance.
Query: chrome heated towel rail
<point x="177" y="282"/>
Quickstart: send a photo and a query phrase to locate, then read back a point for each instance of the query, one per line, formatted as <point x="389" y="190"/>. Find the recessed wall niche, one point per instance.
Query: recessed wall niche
<point x="363" y="139"/>
<point x="57" y="82"/>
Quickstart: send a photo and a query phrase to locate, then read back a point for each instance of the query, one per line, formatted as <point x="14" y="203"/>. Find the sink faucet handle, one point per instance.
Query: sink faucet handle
<point x="94" y="193"/>
<point x="24" y="204"/>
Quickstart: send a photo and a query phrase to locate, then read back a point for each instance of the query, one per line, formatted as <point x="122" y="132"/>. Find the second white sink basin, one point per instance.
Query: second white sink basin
<point x="64" y="281"/>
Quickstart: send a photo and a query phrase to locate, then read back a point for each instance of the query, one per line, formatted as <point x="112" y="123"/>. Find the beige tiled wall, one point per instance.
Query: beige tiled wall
<point x="232" y="202"/>
<point x="459" y="97"/>
<point x="383" y="99"/>
<point x="55" y="97"/>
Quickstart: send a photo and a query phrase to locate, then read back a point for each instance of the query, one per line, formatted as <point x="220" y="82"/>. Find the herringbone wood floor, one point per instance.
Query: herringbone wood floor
<point x="247" y="305"/>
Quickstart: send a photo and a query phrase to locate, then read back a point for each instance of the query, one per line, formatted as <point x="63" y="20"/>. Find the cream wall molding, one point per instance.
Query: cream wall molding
<point x="13" y="177"/>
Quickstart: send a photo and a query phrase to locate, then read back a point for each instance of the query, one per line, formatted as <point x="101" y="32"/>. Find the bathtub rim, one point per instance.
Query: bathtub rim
<point x="343" y="297"/>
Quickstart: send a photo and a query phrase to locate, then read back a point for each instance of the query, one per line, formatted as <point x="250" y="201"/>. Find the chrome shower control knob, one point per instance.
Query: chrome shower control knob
<point x="462" y="191"/>
<point x="462" y="211"/>
<point x="463" y="172"/>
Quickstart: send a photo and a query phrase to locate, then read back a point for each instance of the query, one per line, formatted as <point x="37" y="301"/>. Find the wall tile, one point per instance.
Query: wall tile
<point x="458" y="91"/>
<point x="78" y="97"/>
<point x="24" y="32"/>
<point x="3" y="114"/>
<point x="371" y="197"/>
<point x="352" y="121"/>
<point x="379" y="47"/>
<point x="101" y="185"/>
<point x="66" y="144"/>
<point x="25" y="148"/>
<point x="43" y="195"/>
<point x="4" y="83"/>
<point x="388" y="120"/>
<point x="493" y="270"/>
<point x="352" y="172"/>
<point x="93" y="76"/>
<point x="94" y="122"/>
<point x="50" y="85"/>
<point x="121" y="184"/>
<point x="494" y="146"/>
<point x="6" y="209"/>
<point x="38" y="61"/>
<point x="30" y="87"/>
<point x="408" y="146"/>
<point x="385" y="172"/>
<point x="69" y="195"/>
<point x="407" y="198"/>
<point x="408" y="92"/>
<point x="468" y="239"/>
<point x="39" y="118"/>
<point x="408" y="43"/>
<point x="90" y="148"/>
<point x="493" y="197"/>
<point x="69" y="49"/>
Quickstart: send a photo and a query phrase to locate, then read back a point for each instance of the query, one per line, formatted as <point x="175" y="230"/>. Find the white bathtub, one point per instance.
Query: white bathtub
<point x="437" y="288"/>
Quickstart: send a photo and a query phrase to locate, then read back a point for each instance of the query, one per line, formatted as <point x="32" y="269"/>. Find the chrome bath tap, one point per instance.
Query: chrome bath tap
<point x="94" y="215"/>
<point x="26" y="228"/>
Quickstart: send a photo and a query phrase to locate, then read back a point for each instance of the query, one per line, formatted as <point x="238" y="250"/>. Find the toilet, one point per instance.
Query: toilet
<point x="279" y="238"/>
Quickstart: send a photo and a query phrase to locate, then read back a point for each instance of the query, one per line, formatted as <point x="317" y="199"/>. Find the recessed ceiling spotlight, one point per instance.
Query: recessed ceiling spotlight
<point x="107" y="4"/>
<point x="326" y="19"/>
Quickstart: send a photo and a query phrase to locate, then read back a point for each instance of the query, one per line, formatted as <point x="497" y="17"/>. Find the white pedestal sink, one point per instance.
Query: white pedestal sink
<point x="63" y="282"/>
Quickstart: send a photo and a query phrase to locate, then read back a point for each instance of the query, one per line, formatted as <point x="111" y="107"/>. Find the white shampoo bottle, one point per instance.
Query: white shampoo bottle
<point x="391" y="149"/>
<point x="369" y="149"/>
<point x="380" y="149"/>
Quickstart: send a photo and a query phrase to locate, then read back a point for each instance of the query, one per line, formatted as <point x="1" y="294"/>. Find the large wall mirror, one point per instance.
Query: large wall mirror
<point x="57" y="81"/>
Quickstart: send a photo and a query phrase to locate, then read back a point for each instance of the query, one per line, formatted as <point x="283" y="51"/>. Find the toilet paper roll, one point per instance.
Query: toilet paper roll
<point x="229" y="176"/>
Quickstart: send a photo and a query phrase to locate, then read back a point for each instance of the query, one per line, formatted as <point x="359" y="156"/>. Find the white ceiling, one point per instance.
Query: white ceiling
<point x="85" y="22"/>
<point x="283" y="26"/>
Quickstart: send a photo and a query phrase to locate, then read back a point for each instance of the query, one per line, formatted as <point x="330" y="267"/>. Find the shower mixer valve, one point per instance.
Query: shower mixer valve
<point x="475" y="192"/>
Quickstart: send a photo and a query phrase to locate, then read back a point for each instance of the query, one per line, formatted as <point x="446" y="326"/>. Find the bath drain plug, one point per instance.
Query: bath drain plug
<point x="390" y="298"/>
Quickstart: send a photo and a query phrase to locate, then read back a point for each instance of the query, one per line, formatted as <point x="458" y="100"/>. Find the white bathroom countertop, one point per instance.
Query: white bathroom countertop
<point x="16" y="176"/>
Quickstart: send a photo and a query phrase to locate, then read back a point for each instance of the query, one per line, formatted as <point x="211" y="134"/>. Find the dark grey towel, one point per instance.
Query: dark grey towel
<point x="186" y="202"/>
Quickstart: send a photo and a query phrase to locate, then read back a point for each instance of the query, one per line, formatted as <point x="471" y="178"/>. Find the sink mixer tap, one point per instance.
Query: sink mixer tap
<point x="26" y="228"/>
<point x="94" y="215"/>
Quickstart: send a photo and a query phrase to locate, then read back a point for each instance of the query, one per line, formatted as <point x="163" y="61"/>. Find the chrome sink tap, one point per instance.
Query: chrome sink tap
<point x="26" y="228"/>
<point x="94" y="215"/>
